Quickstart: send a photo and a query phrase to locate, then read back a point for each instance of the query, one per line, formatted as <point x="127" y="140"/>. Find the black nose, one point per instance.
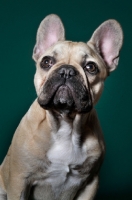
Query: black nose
<point x="67" y="71"/>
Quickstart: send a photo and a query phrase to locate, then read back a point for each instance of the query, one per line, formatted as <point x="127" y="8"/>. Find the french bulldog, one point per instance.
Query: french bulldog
<point x="58" y="148"/>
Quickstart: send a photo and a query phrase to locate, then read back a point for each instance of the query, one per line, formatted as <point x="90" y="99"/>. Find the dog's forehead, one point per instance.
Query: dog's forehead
<point x="75" y="50"/>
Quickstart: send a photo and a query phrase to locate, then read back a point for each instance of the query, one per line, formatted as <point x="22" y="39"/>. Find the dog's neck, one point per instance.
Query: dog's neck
<point x="37" y="115"/>
<point x="74" y="119"/>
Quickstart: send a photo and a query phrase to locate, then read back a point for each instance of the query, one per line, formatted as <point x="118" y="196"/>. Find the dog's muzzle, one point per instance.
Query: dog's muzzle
<point x="64" y="90"/>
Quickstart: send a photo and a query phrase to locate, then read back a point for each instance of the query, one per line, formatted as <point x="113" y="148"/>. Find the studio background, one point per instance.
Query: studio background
<point x="19" y="21"/>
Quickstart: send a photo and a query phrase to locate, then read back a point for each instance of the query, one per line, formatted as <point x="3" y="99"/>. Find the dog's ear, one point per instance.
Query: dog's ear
<point x="108" y="39"/>
<point x="49" y="32"/>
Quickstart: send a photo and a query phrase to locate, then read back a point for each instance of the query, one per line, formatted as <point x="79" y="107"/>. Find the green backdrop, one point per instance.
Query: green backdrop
<point x="19" y="21"/>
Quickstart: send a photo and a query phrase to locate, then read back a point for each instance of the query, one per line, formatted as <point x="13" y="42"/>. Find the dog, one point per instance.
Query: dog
<point x="58" y="148"/>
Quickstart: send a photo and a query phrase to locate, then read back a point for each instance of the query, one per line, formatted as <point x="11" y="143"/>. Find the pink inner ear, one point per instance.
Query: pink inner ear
<point x="107" y="48"/>
<point x="51" y="37"/>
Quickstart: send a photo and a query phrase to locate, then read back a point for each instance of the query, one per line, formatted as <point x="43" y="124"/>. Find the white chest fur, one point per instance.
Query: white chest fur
<point x="65" y="155"/>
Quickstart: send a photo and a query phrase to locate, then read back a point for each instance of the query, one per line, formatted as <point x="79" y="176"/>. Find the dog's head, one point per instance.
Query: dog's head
<point x="70" y="75"/>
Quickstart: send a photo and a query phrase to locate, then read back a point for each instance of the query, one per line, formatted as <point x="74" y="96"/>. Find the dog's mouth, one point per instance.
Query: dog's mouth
<point x="63" y="95"/>
<point x="63" y="98"/>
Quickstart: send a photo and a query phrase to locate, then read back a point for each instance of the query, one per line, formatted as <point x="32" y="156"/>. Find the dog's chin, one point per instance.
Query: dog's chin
<point x="63" y="100"/>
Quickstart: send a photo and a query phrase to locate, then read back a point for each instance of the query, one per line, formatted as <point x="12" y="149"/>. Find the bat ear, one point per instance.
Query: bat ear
<point x="50" y="31"/>
<point x="108" y="39"/>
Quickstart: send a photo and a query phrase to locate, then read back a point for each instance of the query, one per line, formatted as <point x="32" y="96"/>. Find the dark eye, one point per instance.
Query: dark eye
<point x="92" y="68"/>
<point x="47" y="62"/>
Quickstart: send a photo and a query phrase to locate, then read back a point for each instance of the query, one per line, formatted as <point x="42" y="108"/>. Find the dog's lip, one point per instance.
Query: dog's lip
<point x="46" y="96"/>
<point x="82" y="103"/>
<point x="71" y="104"/>
<point x="63" y="95"/>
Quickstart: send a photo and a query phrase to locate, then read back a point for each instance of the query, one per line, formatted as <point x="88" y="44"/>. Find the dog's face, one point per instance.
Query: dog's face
<point x="70" y="75"/>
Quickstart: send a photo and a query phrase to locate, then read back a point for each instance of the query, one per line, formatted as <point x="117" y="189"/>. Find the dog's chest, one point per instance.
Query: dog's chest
<point x="65" y="155"/>
<point x="65" y="158"/>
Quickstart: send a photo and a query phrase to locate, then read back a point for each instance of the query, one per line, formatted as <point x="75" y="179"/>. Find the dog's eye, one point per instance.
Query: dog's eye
<point x="92" y="68"/>
<point x="47" y="62"/>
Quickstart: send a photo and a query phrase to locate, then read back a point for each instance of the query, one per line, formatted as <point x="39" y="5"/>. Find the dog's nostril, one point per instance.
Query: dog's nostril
<point x="72" y="72"/>
<point x="67" y="72"/>
<point x="62" y="72"/>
